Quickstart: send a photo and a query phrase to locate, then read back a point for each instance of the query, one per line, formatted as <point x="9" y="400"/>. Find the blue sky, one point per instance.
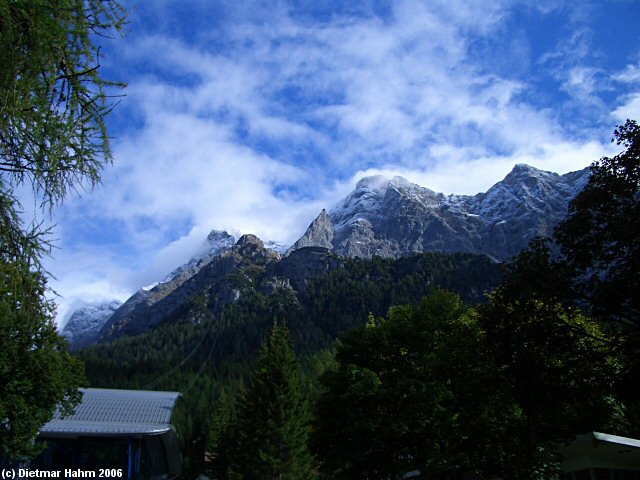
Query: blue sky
<point x="252" y="116"/>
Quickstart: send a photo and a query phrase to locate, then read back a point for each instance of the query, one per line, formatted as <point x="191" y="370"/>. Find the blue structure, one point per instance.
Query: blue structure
<point x="126" y="432"/>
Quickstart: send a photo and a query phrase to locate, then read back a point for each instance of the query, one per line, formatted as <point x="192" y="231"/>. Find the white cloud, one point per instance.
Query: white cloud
<point x="631" y="74"/>
<point x="454" y="173"/>
<point x="85" y="277"/>
<point x="629" y="106"/>
<point x="582" y="82"/>
<point x="629" y="109"/>
<point x="260" y="134"/>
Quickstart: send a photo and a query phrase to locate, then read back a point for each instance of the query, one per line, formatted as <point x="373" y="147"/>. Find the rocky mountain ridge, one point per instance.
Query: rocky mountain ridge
<point x="395" y="218"/>
<point x="230" y="275"/>
<point x="390" y="218"/>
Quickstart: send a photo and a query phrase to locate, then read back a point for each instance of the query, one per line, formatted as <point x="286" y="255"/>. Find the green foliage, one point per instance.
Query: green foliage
<point x="272" y="427"/>
<point x="600" y="242"/>
<point x="52" y="137"/>
<point x="332" y="303"/>
<point x="192" y="418"/>
<point x="627" y="383"/>
<point x="344" y="298"/>
<point x="52" y="98"/>
<point x="430" y="389"/>
<point x="534" y="274"/>
<point x="220" y="443"/>
<point x="414" y="391"/>
<point x="36" y="371"/>
<point x="225" y="340"/>
<point x="555" y="364"/>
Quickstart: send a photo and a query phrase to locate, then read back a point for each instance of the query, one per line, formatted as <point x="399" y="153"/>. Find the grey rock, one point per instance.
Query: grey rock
<point x="319" y="234"/>
<point x="83" y="325"/>
<point x="305" y="264"/>
<point x="395" y="218"/>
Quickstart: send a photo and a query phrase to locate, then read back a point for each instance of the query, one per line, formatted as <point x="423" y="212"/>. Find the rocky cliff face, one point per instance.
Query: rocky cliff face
<point x="85" y="323"/>
<point x="395" y="218"/>
<point x="319" y="234"/>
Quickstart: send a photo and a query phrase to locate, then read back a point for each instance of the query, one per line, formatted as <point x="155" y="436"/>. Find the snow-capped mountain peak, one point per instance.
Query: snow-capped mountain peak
<point x="216" y="242"/>
<point x="86" y="320"/>
<point x="394" y="217"/>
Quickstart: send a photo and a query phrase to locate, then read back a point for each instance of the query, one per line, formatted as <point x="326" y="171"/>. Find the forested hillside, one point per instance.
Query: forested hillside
<point x="201" y="350"/>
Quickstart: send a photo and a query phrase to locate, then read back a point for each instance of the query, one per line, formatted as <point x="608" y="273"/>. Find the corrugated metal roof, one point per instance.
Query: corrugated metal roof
<point x="615" y="439"/>
<point x="116" y="412"/>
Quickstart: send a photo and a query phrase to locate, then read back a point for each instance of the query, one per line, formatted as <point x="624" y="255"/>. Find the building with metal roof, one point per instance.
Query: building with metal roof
<point x="129" y="431"/>
<point x="600" y="456"/>
<point x="107" y="412"/>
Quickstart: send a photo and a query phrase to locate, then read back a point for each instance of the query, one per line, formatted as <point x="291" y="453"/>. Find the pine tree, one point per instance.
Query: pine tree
<point x="271" y="437"/>
<point x="53" y="137"/>
<point x="219" y="436"/>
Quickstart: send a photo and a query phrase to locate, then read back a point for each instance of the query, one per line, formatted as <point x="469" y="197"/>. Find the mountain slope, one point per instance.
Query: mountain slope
<point x="147" y="309"/>
<point x="139" y="304"/>
<point x="317" y="294"/>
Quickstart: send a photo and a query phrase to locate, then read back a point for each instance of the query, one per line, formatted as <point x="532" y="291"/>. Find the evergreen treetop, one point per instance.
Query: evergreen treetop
<point x="271" y="440"/>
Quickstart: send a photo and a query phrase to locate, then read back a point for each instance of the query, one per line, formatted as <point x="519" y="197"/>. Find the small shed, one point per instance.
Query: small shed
<point x="128" y="432"/>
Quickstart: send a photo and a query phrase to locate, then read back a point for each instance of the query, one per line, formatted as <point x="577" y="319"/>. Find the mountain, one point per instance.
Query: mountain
<point x="251" y="274"/>
<point x="141" y="301"/>
<point x="148" y="308"/>
<point x="390" y="218"/>
<point x="84" y="324"/>
<point x="395" y="218"/>
<point x="221" y="315"/>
